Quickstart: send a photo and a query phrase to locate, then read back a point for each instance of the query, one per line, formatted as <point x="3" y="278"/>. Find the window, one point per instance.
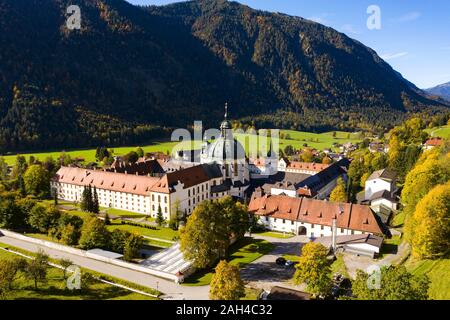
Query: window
<point x="342" y="230"/>
<point x="292" y="222"/>
<point x="321" y="228"/>
<point x="353" y="232"/>
<point x="189" y="193"/>
<point x="312" y="225"/>
<point x="284" y="221"/>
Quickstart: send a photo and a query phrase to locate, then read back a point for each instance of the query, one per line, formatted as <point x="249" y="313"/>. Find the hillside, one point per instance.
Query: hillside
<point x="442" y="90"/>
<point x="131" y="72"/>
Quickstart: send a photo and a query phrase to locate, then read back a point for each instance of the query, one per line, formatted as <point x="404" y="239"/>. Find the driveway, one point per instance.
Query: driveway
<point x="354" y="263"/>
<point x="170" y="290"/>
<point x="264" y="273"/>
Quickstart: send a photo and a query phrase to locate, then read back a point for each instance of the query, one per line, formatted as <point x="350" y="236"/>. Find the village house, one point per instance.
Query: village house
<point x="433" y="142"/>
<point x="313" y="218"/>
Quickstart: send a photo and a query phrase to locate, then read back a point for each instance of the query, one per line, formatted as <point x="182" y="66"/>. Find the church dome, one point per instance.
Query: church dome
<point x="225" y="149"/>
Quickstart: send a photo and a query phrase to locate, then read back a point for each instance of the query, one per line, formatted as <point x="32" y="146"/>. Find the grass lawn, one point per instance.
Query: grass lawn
<point x="338" y="266"/>
<point x="291" y="257"/>
<point x="443" y="132"/>
<point x="55" y="288"/>
<point x="297" y="139"/>
<point x="438" y="272"/>
<point x="399" y="219"/>
<point x="274" y="234"/>
<point x="89" y="154"/>
<point x="122" y="213"/>
<point x="161" y="233"/>
<point x="390" y="246"/>
<point x="243" y="252"/>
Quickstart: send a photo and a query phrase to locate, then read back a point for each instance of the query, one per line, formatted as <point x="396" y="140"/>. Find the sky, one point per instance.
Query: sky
<point x="414" y="35"/>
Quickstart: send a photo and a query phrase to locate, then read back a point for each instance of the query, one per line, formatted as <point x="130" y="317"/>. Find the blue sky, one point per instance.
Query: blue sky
<point x="414" y="36"/>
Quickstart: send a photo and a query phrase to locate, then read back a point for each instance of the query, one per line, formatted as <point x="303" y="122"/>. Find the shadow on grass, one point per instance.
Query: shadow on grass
<point x="389" y="248"/>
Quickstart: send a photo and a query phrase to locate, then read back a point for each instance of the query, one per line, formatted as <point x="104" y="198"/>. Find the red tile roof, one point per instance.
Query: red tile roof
<point x="434" y="142"/>
<point x="307" y="166"/>
<point x="119" y="182"/>
<point x="348" y="216"/>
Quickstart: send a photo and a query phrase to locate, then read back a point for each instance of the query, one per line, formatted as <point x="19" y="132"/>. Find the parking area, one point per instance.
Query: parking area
<point x="264" y="273"/>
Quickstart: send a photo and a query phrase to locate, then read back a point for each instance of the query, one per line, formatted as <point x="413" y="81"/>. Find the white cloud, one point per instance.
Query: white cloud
<point x="349" y="28"/>
<point x="390" y="56"/>
<point x="410" y="16"/>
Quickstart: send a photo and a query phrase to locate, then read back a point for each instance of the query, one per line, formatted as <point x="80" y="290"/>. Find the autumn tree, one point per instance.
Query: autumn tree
<point x="204" y="239"/>
<point x="428" y="230"/>
<point x="314" y="269"/>
<point x="210" y="228"/>
<point x="94" y="234"/>
<point x="36" y="269"/>
<point x="339" y="193"/>
<point x="9" y="269"/>
<point x="37" y="181"/>
<point x="132" y="245"/>
<point x="226" y="283"/>
<point x="429" y="171"/>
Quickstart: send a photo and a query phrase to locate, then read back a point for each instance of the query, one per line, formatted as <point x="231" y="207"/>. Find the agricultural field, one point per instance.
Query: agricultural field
<point x="297" y="139"/>
<point x="443" y="132"/>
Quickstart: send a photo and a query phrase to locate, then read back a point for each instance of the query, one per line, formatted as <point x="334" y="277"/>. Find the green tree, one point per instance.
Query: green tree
<point x="226" y="283"/>
<point x="428" y="230"/>
<point x="65" y="264"/>
<point x="140" y="152"/>
<point x="313" y="269"/>
<point x="396" y="283"/>
<point x="94" y="234"/>
<point x="9" y="269"/>
<point x="37" y="181"/>
<point x="69" y="235"/>
<point x="205" y="239"/>
<point x="3" y="169"/>
<point x="159" y="217"/>
<point x="36" y="269"/>
<point x="42" y="218"/>
<point x="84" y="202"/>
<point x="132" y="246"/>
<point x="339" y="193"/>
<point x="95" y="203"/>
<point x="12" y="215"/>
<point x="118" y="239"/>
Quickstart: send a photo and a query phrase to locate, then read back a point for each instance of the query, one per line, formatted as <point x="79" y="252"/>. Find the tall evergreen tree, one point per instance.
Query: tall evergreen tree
<point x="84" y="199"/>
<point x="95" y="204"/>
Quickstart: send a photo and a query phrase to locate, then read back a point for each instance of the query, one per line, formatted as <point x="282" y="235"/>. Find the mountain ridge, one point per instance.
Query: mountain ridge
<point x="441" y="90"/>
<point x="132" y="72"/>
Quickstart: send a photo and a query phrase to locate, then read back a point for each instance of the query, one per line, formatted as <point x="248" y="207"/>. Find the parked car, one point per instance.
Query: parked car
<point x="280" y="261"/>
<point x="290" y="263"/>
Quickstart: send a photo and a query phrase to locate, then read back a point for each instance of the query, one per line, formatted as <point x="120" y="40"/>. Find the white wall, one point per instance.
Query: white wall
<point x="315" y="230"/>
<point x="375" y="185"/>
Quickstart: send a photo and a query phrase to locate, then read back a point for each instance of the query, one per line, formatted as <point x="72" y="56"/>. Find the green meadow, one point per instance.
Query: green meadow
<point x="297" y="139"/>
<point x="443" y="132"/>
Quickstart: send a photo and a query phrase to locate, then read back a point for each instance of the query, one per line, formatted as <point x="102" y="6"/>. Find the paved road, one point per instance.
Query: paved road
<point x="170" y="289"/>
<point x="264" y="273"/>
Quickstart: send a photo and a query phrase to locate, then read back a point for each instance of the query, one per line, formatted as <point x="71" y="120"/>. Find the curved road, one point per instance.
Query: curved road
<point x="170" y="289"/>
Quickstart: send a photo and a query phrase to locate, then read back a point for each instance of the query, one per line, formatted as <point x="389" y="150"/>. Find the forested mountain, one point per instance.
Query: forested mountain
<point x="442" y="90"/>
<point x="131" y="72"/>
